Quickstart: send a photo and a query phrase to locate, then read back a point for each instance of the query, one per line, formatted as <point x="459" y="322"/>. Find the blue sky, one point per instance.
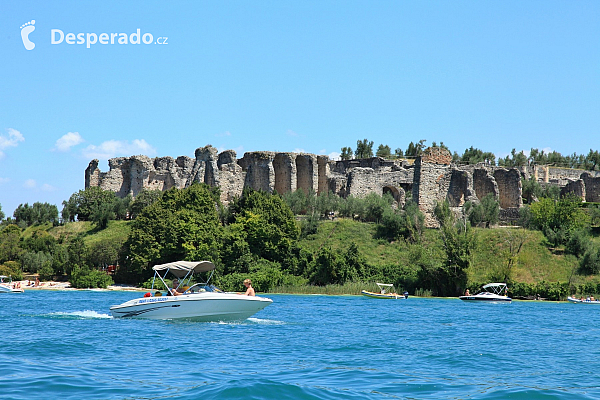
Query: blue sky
<point x="308" y="76"/>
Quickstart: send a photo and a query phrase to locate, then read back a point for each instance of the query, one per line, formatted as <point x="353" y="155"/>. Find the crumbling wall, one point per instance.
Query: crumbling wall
<point x="484" y="183"/>
<point x="307" y="172"/>
<point x="323" y="165"/>
<point x="260" y="174"/>
<point x="576" y="188"/>
<point x="284" y="166"/>
<point x="592" y="187"/>
<point x="509" y="187"/>
<point x="430" y="179"/>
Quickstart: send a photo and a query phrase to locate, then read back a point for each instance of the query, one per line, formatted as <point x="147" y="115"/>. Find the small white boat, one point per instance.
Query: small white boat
<point x="386" y="291"/>
<point x="8" y="286"/>
<point x="583" y="301"/>
<point x="200" y="302"/>
<point x="492" y="293"/>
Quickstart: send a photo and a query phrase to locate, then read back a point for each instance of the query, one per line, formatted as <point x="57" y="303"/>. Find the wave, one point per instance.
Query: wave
<point x="86" y="314"/>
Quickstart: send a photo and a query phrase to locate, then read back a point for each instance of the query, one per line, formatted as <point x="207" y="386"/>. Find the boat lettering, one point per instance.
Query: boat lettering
<point x="152" y="300"/>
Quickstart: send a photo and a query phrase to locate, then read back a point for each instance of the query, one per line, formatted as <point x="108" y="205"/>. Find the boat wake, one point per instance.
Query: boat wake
<point x="86" y="314"/>
<point x="265" y="321"/>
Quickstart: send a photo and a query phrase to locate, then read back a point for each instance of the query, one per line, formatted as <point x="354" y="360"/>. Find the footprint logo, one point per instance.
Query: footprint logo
<point x="26" y="29"/>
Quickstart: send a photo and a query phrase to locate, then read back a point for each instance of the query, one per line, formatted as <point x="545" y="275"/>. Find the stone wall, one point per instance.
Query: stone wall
<point x="431" y="178"/>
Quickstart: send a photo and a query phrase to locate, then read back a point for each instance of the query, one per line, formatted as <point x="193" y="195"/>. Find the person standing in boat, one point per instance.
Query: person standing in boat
<point x="249" y="288"/>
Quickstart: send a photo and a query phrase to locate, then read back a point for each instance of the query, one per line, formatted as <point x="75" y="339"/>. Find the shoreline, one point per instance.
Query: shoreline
<point x="55" y="285"/>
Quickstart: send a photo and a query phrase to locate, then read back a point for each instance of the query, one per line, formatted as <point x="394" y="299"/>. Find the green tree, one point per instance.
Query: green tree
<point x="182" y="225"/>
<point x="398" y="153"/>
<point x="103" y="213"/>
<point x="144" y="199"/>
<point x="39" y="213"/>
<point x="87" y="203"/>
<point x="346" y="153"/>
<point x="364" y="149"/>
<point x="558" y="219"/>
<point x="459" y="241"/>
<point x="1" y="213"/>
<point x="486" y="211"/>
<point x="415" y="150"/>
<point x="474" y="156"/>
<point x="10" y="245"/>
<point x="104" y="253"/>
<point x="267" y="222"/>
<point x="384" y="151"/>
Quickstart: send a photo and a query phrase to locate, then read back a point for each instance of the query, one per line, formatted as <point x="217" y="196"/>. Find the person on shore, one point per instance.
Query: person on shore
<point x="37" y="282"/>
<point x="249" y="288"/>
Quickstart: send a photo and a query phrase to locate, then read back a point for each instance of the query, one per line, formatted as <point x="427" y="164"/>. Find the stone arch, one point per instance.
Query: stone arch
<point x="397" y="193"/>
<point x="459" y="191"/>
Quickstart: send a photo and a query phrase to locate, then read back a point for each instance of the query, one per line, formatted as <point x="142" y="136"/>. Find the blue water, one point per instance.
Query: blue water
<point x="65" y="345"/>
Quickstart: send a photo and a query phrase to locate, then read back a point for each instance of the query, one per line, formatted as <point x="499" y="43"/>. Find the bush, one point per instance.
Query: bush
<point x="590" y="262"/>
<point x="11" y="268"/>
<point x="84" y="277"/>
<point x="46" y="272"/>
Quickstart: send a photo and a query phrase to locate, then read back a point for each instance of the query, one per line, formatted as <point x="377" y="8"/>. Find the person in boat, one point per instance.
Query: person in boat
<point x="249" y="289"/>
<point x="174" y="291"/>
<point x="467" y="293"/>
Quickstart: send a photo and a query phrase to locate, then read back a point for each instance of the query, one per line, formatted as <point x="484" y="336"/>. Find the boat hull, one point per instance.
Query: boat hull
<point x="193" y="307"/>
<point x="383" y="295"/>
<point x="8" y="289"/>
<point x="486" y="299"/>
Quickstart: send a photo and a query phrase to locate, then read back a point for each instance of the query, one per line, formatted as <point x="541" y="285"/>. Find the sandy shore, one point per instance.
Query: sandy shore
<point x="53" y="285"/>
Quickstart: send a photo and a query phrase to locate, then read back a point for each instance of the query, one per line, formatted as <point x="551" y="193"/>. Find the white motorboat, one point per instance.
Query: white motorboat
<point x="492" y="293"/>
<point x="198" y="302"/>
<point x="386" y="291"/>
<point x="589" y="300"/>
<point x="8" y="286"/>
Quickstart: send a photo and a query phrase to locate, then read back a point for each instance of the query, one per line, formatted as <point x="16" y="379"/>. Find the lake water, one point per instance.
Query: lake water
<point x="65" y="345"/>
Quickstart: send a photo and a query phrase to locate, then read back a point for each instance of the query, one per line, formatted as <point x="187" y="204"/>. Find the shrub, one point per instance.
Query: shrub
<point x="11" y="268"/>
<point x="84" y="277"/>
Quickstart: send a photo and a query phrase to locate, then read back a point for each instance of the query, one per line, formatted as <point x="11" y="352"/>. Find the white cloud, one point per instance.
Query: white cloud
<point x="30" y="184"/>
<point x="12" y="140"/>
<point x="334" y="155"/>
<point x="291" y="133"/>
<point x="4" y="180"/>
<point x="297" y="150"/>
<point x="67" y="141"/>
<point x="226" y="133"/>
<point x="117" y="148"/>
<point x="48" y="188"/>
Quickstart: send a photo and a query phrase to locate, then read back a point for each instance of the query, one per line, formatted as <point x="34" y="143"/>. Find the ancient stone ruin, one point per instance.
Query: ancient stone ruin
<point x="429" y="179"/>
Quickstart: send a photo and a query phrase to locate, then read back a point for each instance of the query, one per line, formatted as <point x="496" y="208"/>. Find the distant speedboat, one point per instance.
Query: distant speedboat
<point x="7" y="285"/>
<point x="386" y="291"/>
<point x="583" y="301"/>
<point x="492" y="293"/>
<point x="200" y="302"/>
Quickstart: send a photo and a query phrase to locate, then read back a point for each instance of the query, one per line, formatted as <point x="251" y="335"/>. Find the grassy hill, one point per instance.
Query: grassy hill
<point x="536" y="262"/>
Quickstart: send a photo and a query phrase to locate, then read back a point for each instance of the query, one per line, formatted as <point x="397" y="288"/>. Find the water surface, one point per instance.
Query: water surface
<point x="65" y="344"/>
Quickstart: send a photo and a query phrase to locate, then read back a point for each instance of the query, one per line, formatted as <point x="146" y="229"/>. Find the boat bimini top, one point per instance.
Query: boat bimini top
<point x="496" y="288"/>
<point x="183" y="270"/>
